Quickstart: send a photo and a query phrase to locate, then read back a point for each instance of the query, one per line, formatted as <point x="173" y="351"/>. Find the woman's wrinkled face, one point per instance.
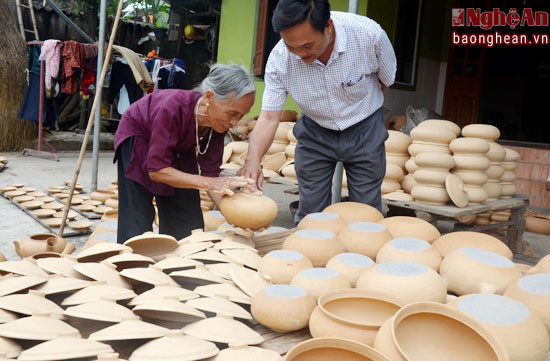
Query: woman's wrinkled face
<point x="225" y="114"/>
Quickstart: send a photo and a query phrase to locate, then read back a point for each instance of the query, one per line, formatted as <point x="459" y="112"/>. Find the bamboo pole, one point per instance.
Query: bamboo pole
<point x="92" y="116"/>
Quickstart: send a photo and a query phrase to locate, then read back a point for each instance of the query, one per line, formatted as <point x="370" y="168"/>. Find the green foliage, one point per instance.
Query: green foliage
<point x="159" y="9"/>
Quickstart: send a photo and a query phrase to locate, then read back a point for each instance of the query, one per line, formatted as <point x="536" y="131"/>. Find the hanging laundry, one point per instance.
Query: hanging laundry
<point x="73" y="60"/>
<point x="140" y="72"/>
<point x="88" y="78"/>
<point x="122" y="75"/>
<point x="172" y="76"/>
<point x="51" y="53"/>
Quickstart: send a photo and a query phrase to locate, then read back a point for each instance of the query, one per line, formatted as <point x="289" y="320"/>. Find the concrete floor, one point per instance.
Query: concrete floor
<point x="40" y="173"/>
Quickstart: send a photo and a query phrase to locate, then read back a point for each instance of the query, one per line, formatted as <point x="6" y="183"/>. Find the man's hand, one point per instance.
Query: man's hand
<point x="253" y="171"/>
<point x="383" y="87"/>
<point x="225" y="185"/>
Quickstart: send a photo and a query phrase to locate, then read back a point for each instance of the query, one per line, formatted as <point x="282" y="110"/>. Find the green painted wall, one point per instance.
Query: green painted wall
<point x="384" y="12"/>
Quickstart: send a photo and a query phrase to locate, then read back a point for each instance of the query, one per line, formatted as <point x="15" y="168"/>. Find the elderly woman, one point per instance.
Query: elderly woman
<point x="169" y="145"/>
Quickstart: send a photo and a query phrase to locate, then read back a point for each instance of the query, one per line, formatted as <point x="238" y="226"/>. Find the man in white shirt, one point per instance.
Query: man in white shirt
<point x="335" y="66"/>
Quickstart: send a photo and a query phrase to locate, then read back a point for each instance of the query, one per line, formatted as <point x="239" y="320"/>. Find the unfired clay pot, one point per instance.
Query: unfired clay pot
<point x="327" y="221"/>
<point x="317" y="245"/>
<point x="223" y="329"/>
<point x="455" y="240"/>
<point x="542" y="266"/>
<point x="397" y="142"/>
<point x="482" y="131"/>
<point x="243" y="352"/>
<point x="364" y="238"/>
<point x="537" y="224"/>
<point x="152" y="245"/>
<point x="402" y="226"/>
<point x="471" y="163"/>
<point x="320" y="280"/>
<point x="350" y="265"/>
<point x="352" y="314"/>
<point x="282" y="265"/>
<point x="102" y="195"/>
<point x="249" y="210"/>
<point x="175" y="346"/>
<point x="39" y="243"/>
<point x="332" y="348"/>
<point x="283" y="308"/>
<point x="212" y="220"/>
<point x="410" y="249"/>
<point x="274" y="162"/>
<point x="355" y="212"/>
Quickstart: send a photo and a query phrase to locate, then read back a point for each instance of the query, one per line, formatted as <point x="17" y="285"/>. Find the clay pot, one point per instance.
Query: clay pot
<point x="283" y="308"/>
<point x="40" y="243"/>
<point x="428" y="134"/>
<point x="481" y="131"/>
<point x="249" y="210"/>
<point x="289" y="171"/>
<point x="534" y="292"/>
<point x="223" y="329"/>
<point x="274" y="162"/>
<point x="65" y="348"/>
<point x="152" y="245"/>
<point x="290" y="151"/>
<point x="402" y="226"/>
<point x="455" y="240"/>
<point x="407" y="183"/>
<point x="331" y="222"/>
<point x="212" y="220"/>
<point x="398" y="159"/>
<point x="389" y="186"/>
<point x="282" y="265"/>
<point x="175" y="345"/>
<point x="542" y="266"/>
<point x="355" y="212"/>
<point x="243" y="352"/>
<point x="110" y="215"/>
<point x="410" y="249"/>
<point x="352" y="314"/>
<point x="364" y="237"/>
<point x="408" y="282"/>
<point x="112" y="202"/>
<point x="474" y="270"/>
<point x="399" y="196"/>
<point x="317" y="245"/>
<point x="429" y="331"/>
<point x="453" y="127"/>
<point x="537" y="224"/>
<point x="332" y="348"/>
<point x="320" y="280"/>
<point x="238" y="148"/>
<point x="282" y="130"/>
<point x="397" y="142"/>
<point x="350" y="265"/>
<point x="277" y="147"/>
<point x="470" y="166"/>
<point x="521" y="331"/>
<point x="102" y="195"/>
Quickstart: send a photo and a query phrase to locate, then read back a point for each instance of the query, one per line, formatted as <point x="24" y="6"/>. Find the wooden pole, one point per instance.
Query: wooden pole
<point x="92" y="115"/>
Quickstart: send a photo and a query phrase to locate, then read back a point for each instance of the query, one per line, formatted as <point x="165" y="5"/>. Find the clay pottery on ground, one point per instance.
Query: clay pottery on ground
<point x="112" y="202"/>
<point x="317" y="245"/>
<point x="277" y="147"/>
<point x="397" y="142"/>
<point x="150" y="275"/>
<point x="97" y="291"/>
<point x="482" y="131"/>
<point x="248" y="257"/>
<point x="471" y="163"/>
<point x="474" y="270"/>
<point x="152" y="245"/>
<point x="407" y="183"/>
<point x="59" y="284"/>
<point x="9" y="348"/>
<point x="103" y="271"/>
<point x="283" y="308"/>
<point x="410" y="249"/>
<point x="110" y="215"/>
<point x="455" y="240"/>
<point x="521" y="331"/>
<point x="63" y="265"/>
<point x="282" y="265"/>
<point x="30" y="303"/>
<point x="453" y="127"/>
<point x="429" y="331"/>
<point x="169" y="309"/>
<point x="249" y="210"/>
<point x="232" y="293"/>
<point x="282" y="131"/>
<point x="65" y="348"/>
<point x="39" y="243"/>
<point x="288" y="170"/>
<point x="408" y="282"/>
<point x="249" y="281"/>
<point x="176" y="264"/>
<point x="534" y="292"/>
<point x="327" y="221"/>
<point x="355" y="212"/>
<point x="332" y="348"/>
<point x="25" y="267"/>
<point x="101" y="251"/>
<point x="129" y="329"/>
<point x="104" y="310"/>
<point x="542" y="266"/>
<point x="219" y="305"/>
<point x="274" y="162"/>
<point x="198" y="275"/>
<point x="102" y="195"/>
<point x="350" y="265"/>
<point x="537" y="224"/>
<point x="402" y="226"/>
<point x="39" y="327"/>
<point x="317" y="281"/>
<point x="223" y="329"/>
<point x="364" y="238"/>
<point x="243" y="352"/>
<point x="398" y="195"/>
<point x="163" y="291"/>
<point x="212" y="220"/>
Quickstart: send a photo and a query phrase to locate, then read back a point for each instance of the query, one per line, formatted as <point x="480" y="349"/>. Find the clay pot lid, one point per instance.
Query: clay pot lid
<point x="354" y="260"/>
<point x="63" y="265"/>
<point x="339" y="348"/>
<point x="399" y="196"/>
<point x="128" y="258"/>
<point x="71" y="215"/>
<point x="25" y="267"/>
<point x="268" y="173"/>
<point x="175" y="346"/>
<point x="177" y="263"/>
<point x="219" y="305"/>
<point x="198" y="276"/>
<point x="80" y="225"/>
<point x="455" y="188"/>
<point x="482" y="131"/>
<point x="152" y="245"/>
<point x="226" y="227"/>
<point x="538" y="284"/>
<point x="228" y="243"/>
<point x="36" y="194"/>
<point x="44" y="213"/>
<point x="247" y="257"/>
<point x="102" y="209"/>
<point x="169" y="309"/>
<point x="286" y="255"/>
<point x="105" y="310"/>
<point x="223" y="329"/>
<point x="210" y="256"/>
<point x="161" y="292"/>
<point x="97" y="291"/>
<point x="187" y="249"/>
<point x="86" y="208"/>
<point x="103" y="271"/>
<point x="493" y="309"/>
<point x="101" y="251"/>
<point x="129" y="329"/>
<point x="30" y="303"/>
<point x="229" y="235"/>
<point x="249" y="281"/>
<point x="197" y="235"/>
<point x="45" y="199"/>
<point x="487" y="257"/>
<point x="7" y="189"/>
<point x="222" y="269"/>
<point x="150" y="275"/>
<point x="13" y="194"/>
<point x="111" y="356"/>
<point x="9" y="348"/>
<point x="24" y="198"/>
<point x="54" y="222"/>
<point x="57" y="187"/>
<point x="32" y="204"/>
<point x="410" y="244"/>
<point x="39" y="327"/>
<point x="53" y="205"/>
<point x="91" y="202"/>
<point x="58" y="283"/>
<point x="243" y="352"/>
<point x="401" y="268"/>
<point x="11" y="284"/>
<point x="65" y="348"/>
<point x="7" y="316"/>
<point x="223" y="289"/>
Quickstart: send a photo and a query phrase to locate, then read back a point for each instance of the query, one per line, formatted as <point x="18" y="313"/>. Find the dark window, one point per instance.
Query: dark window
<point x="266" y="38"/>
<point x="406" y="40"/>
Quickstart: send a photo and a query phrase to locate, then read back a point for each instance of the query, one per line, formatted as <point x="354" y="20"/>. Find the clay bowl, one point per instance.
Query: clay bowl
<point x="249" y="210"/>
<point x="80" y="225"/>
<point x="537" y="224"/>
<point x="331" y="349"/>
<point x="320" y="280"/>
<point x="152" y="245"/>
<point x="411" y="227"/>
<point x="355" y="212"/>
<point x="350" y="265"/>
<point x="430" y="331"/>
<point x="212" y="220"/>
<point x="102" y="195"/>
<point x="274" y="162"/>
<point x="327" y="221"/>
<point x="317" y="245"/>
<point x="352" y="314"/>
<point x="282" y="265"/>
<point x="410" y="249"/>
<point x="364" y="238"/>
<point x="455" y="240"/>
<point x="110" y="215"/>
<point x="283" y="308"/>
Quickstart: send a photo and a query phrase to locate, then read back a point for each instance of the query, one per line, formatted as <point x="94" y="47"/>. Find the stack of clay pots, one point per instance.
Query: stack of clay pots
<point x="233" y="153"/>
<point x="393" y="175"/>
<point x="397" y="146"/>
<point x="470" y="166"/>
<point x="3" y="162"/>
<point x="509" y="165"/>
<point x="281" y="141"/>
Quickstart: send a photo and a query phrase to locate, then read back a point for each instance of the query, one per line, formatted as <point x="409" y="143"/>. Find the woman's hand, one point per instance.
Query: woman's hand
<point x="225" y="185"/>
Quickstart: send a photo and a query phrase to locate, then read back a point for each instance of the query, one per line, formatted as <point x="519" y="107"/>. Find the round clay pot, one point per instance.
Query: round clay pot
<point x="410" y="166"/>
<point x="320" y="280"/>
<point x="238" y="147"/>
<point x="397" y="142"/>
<point x="331" y="349"/>
<point x="481" y="131"/>
<point x="389" y="186"/>
<point x="290" y="151"/>
<point x="331" y="222"/>
<point x="399" y="196"/>
<point x="407" y="183"/>
<point x="453" y="127"/>
<point x="437" y="161"/>
<point x="402" y="226"/>
<point x="350" y="265"/>
<point x="274" y="162"/>
<point x="212" y="220"/>
<point x="282" y="265"/>
<point x="110" y="215"/>
<point x="407" y="281"/>
<point x="430" y="195"/>
<point x="282" y="131"/>
<point x="397" y="159"/>
<point x="355" y="212"/>
<point x="277" y="147"/>
<point x="453" y="241"/>
<point x="429" y="331"/>
<point x="317" y="245"/>
<point x="537" y="224"/>
<point x="249" y="210"/>
<point x="521" y="331"/>
<point x="418" y="147"/>
<point x="289" y="171"/>
<point x="432" y="134"/>
<point x="39" y="243"/>
<point x="102" y="195"/>
<point x="393" y="172"/>
<point x="409" y="249"/>
<point x="534" y="292"/>
<point x="112" y="202"/>
<point x="542" y="266"/>
<point x="283" y="308"/>
<point x="474" y="270"/>
<point x="364" y="238"/>
<point x="352" y="314"/>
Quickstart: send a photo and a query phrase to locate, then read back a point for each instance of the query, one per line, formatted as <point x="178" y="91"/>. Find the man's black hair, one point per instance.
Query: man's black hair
<point x="293" y="12"/>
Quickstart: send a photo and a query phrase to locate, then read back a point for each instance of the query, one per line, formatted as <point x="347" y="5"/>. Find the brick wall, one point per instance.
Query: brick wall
<point x="532" y="171"/>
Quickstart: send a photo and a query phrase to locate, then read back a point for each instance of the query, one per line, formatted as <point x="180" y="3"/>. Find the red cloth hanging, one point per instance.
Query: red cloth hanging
<point x="73" y="59"/>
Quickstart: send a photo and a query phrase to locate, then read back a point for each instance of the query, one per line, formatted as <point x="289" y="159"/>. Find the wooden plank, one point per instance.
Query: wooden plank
<point x="270" y="242"/>
<point x="285" y="342"/>
<point x="89" y="215"/>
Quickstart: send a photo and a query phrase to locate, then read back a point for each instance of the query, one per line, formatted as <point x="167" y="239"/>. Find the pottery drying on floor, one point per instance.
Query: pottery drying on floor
<point x="327" y="221"/>
<point x="105" y="310"/>
<point x="30" y="303"/>
<point x="219" y="305"/>
<point x="355" y="212"/>
<point x="410" y="249"/>
<point x="150" y="275"/>
<point x="103" y="271"/>
<point x="129" y="329"/>
<point x="130" y="260"/>
<point x="242" y="352"/>
<point x="198" y="235"/>
<point x="9" y="347"/>
<point x="152" y="245"/>
<point x="282" y="265"/>
<point x="455" y="240"/>
<point x="247" y="257"/>
<point x="332" y="348"/>
<point x="65" y="348"/>
<point x="11" y="284"/>
<point x="223" y="329"/>
<point x="101" y="251"/>
<point x="210" y="256"/>
<point x="407" y="281"/>
<point x="63" y="265"/>
<point x="249" y="210"/>
<point x="364" y="238"/>
<point x="542" y="266"/>
<point x="317" y="245"/>
<point x="317" y="281"/>
<point x="249" y="281"/>
<point x="226" y="290"/>
<point x="59" y="284"/>
<point x="33" y="204"/>
<point x="25" y="267"/>
<point x="177" y="264"/>
<point x="411" y="227"/>
<point x="111" y="356"/>
<point x="7" y="316"/>
<point x="350" y="265"/>
<point x="102" y="195"/>
<point x="96" y="291"/>
<point x="352" y="314"/>
<point x="169" y="309"/>
<point x="39" y="243"/>
<point x="40" y="327"/>
<point x="283" y="308"/>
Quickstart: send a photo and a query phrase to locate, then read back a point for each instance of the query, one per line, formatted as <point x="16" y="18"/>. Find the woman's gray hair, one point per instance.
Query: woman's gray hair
<point x="228" y="81"/>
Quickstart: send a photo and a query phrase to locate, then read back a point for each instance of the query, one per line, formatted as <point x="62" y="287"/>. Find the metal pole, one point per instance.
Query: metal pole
<point x="97" y="120"/>
<point x="339" y="171"/>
